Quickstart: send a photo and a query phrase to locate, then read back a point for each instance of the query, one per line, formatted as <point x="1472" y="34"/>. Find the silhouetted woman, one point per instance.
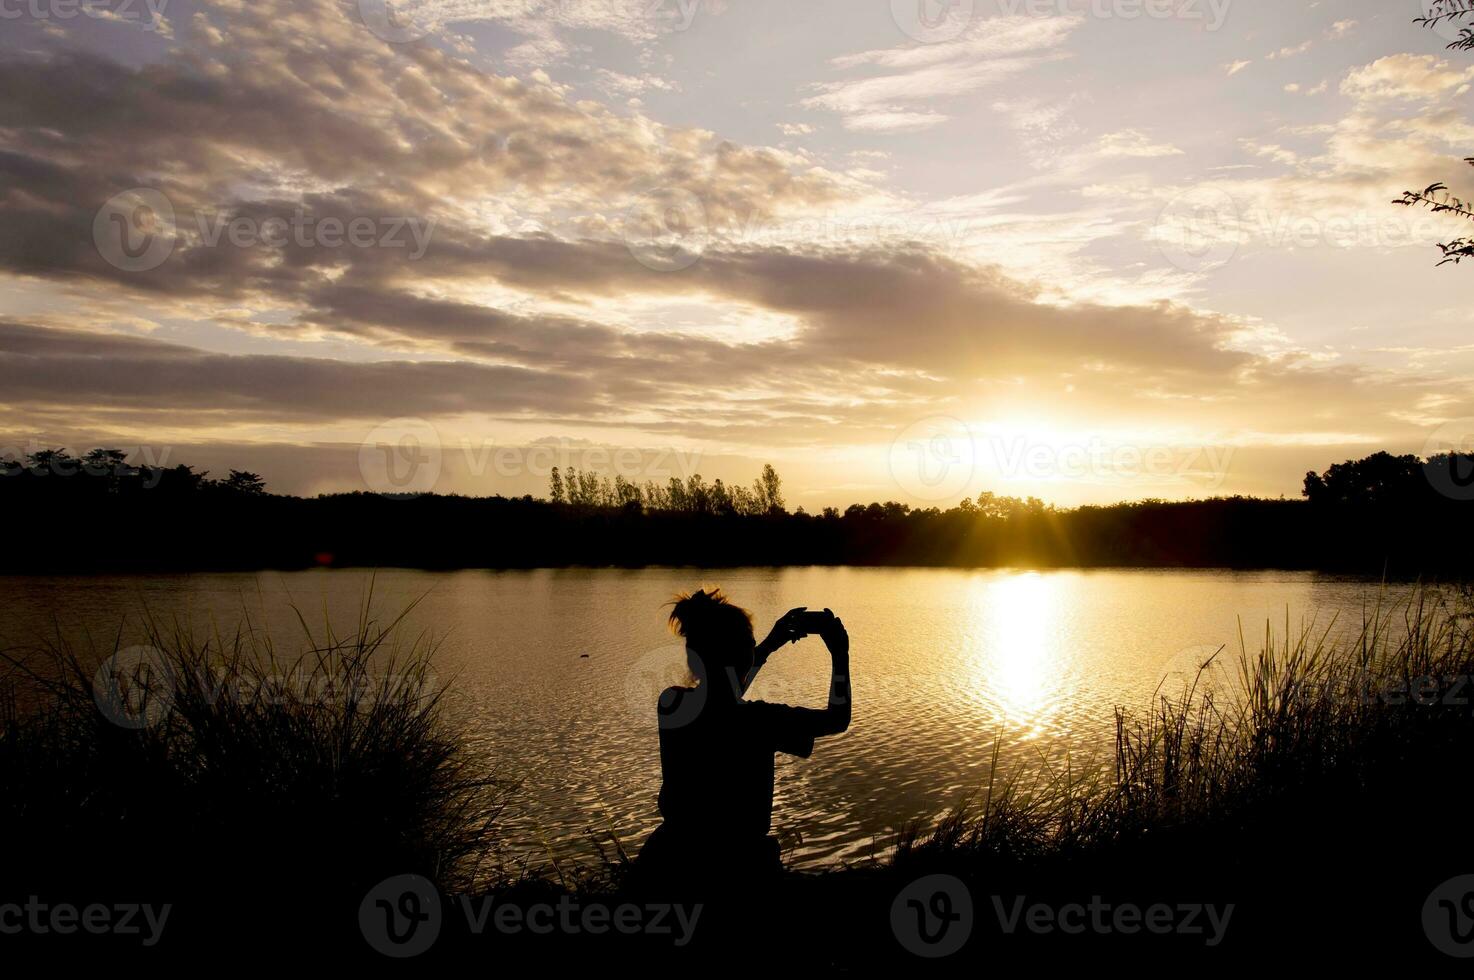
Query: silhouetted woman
<point x="716" y="749"/>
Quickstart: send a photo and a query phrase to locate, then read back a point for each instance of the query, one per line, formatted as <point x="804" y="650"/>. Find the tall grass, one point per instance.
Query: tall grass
<point x="1321" y="785"/>
<point x="1363" y="724"/>
<point x="236" y="772"/>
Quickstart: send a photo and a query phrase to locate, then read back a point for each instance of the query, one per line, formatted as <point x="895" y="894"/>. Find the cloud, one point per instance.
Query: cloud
<point x="54" y="368"/>
<point x="1406" y="77"/>
<point x="987" y="339"/>
<point x="1332" y="179"/>
<point x="546" y="29"/>
<point x="1234" y="67"/>
<point x="799" y="323"/>
<point x="1046" y="127"/>
<point x="892" y="121"/>
<point x="1271" y="151"/>
<point x="617" y="83"/>
<point x="914" y="78"/>
<point x="1290" y="52"/>
<point x="1132" y="143"/>
<point x="243" y="122"/>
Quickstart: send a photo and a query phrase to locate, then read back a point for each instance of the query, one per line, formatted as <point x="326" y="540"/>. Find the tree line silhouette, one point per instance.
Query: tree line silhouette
<point x="1399" y="516"/>
<point x="693" y="495"/>
<point x="107" y="471"/>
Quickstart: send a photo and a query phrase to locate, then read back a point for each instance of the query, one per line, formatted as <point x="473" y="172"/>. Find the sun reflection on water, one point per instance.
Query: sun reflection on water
<point x="1018" y="661"/>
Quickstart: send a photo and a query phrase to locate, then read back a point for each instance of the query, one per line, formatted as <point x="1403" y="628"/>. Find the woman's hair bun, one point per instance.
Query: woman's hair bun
<point x="698" y="613"/>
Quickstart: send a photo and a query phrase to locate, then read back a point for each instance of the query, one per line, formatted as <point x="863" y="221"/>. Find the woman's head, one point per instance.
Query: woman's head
<point x="718" y="634"/>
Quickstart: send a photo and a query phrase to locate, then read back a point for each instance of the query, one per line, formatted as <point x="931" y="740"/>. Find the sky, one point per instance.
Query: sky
<point x="1085" y="250"/>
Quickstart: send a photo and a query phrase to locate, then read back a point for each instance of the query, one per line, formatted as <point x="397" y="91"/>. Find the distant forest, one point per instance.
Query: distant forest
<point x="1399" y="516"/>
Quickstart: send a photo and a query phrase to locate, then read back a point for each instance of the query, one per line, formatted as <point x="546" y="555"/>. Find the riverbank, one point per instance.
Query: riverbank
<point x="1319" y="798"/>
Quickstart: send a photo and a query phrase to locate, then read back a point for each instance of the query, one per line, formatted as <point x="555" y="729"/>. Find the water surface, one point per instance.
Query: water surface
<point x="554" y="673"/>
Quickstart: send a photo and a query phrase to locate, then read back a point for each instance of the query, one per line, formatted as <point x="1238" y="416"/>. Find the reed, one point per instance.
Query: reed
<point x="218" y="769"/>
<point x="1315" y="723"/>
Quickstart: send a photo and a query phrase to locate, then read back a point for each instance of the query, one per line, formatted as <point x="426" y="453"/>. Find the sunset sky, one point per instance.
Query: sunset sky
<point x="1088" y="250"/>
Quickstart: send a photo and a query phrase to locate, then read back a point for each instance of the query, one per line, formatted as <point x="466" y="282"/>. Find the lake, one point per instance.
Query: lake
<point x="553" y="674"/>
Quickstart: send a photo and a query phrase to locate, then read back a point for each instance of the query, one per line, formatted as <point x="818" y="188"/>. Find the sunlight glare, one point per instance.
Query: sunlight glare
<point x="1019" y="675"/>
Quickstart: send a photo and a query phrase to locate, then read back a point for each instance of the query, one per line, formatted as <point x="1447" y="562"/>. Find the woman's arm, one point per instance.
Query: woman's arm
<point x="793" y="730"/>
<point x="783" y="631"/>
<point x="835" y="717"/>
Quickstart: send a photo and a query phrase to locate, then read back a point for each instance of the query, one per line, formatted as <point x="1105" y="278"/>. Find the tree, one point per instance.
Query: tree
<point x="656" y="496"/>
<point x="104" y="462"/>
<point x="1451" y="12"/>
<point x="675" y="494"/>
<point x="108" y="464"/>
<point x="721" y="498"/>
<point x="626" y="493"/>
<point x="589" y="487"/>
<point x="576" y="486"/>
<point x="744" y="502"/>
<point x="692" y="495"/>
<point x="180" y="480"/>
<point x="769" y="491"/>
<point x="57" y="461"/>
<point x="698" y="495"/>
<point x="1436" y="197"/>
<point x="1380" y="479"/>
<point x="245" y="483"/>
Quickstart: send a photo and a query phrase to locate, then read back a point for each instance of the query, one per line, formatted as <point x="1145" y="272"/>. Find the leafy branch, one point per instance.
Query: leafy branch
<point x="1436" y="199"/>
<point x="1447" y="11"/>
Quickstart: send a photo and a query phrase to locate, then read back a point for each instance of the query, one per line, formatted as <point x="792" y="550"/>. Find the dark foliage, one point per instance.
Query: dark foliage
<point x="1369" y="516"/>
<point x="259" y="796"/>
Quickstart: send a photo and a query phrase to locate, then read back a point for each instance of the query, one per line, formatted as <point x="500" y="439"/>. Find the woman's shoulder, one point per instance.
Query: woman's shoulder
<point x="764" y="707"/>
<point x="673" y="696"/>
<point x="678" y="707"/>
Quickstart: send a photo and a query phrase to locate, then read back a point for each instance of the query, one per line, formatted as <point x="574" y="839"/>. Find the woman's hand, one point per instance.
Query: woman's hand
<point x="835" y="638"/>
<point x="785" y="630"/>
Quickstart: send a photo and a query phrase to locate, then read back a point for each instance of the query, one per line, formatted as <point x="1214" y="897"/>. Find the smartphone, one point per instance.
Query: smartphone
<point x="814" y="622"/>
